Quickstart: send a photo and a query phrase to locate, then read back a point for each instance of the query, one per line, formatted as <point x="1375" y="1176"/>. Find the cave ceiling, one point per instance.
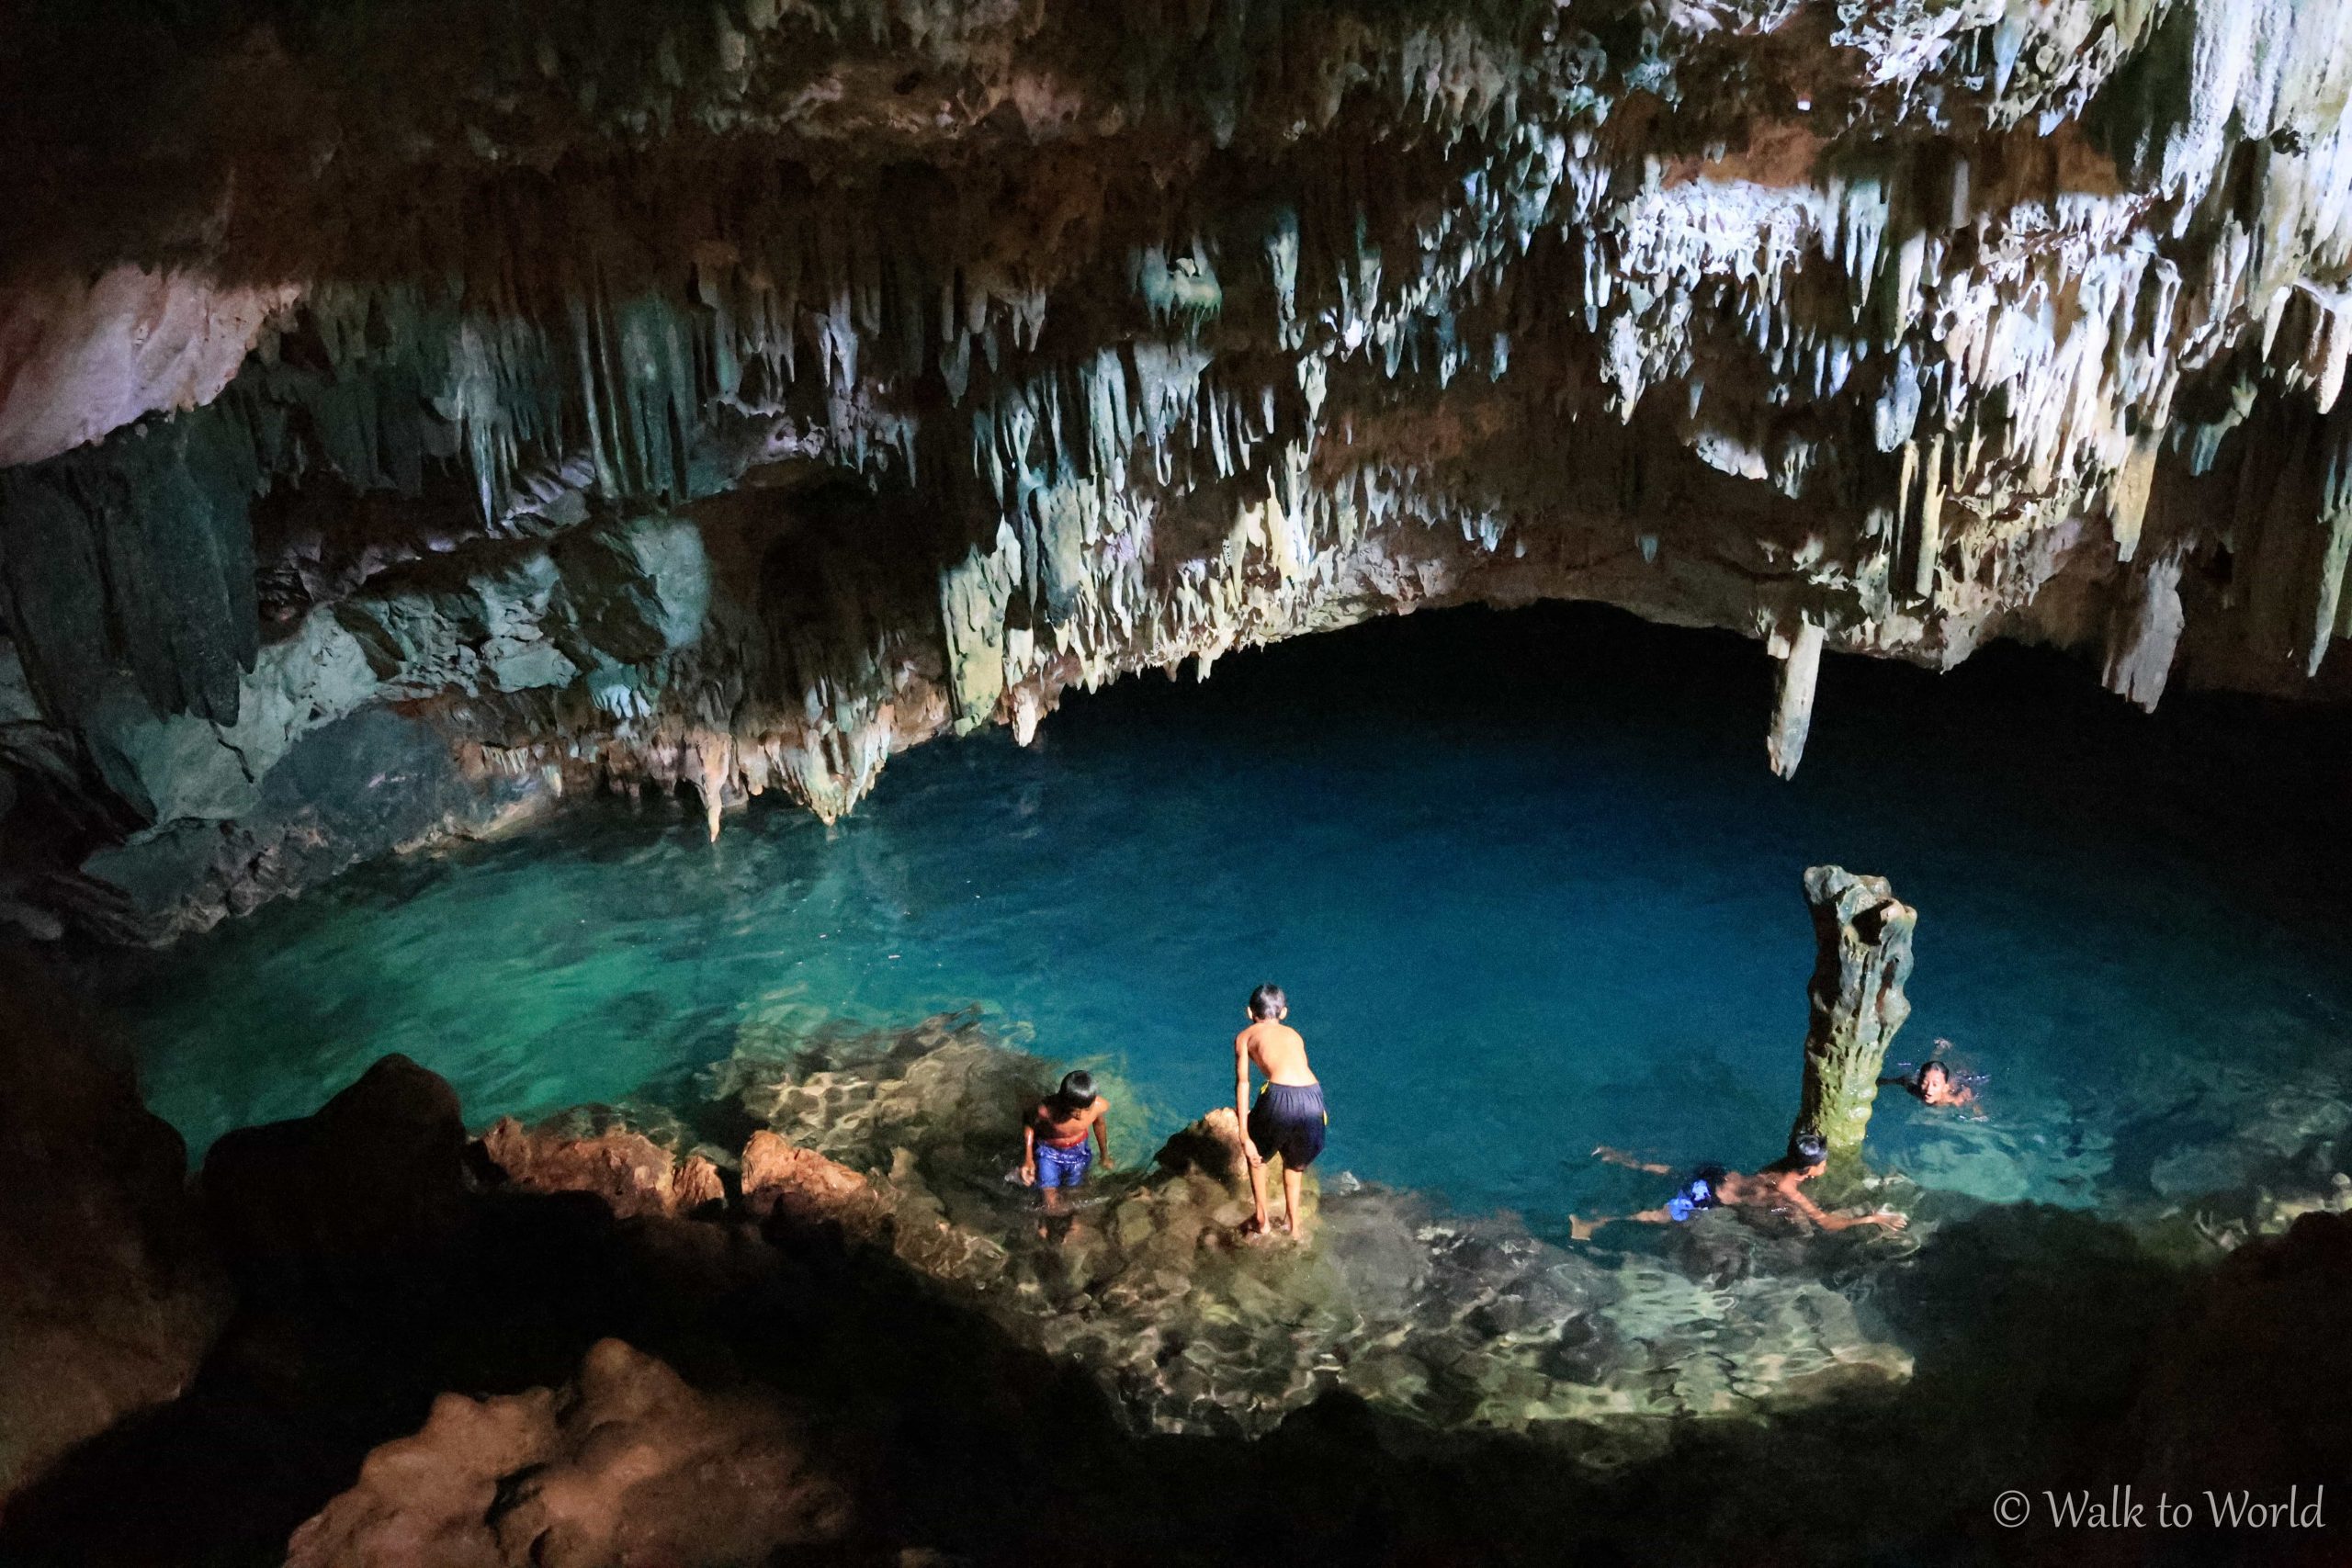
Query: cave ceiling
<point x="503" y="398"/>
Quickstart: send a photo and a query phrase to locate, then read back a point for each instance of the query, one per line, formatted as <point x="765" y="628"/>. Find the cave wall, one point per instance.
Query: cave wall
<point x="416" y="411"/>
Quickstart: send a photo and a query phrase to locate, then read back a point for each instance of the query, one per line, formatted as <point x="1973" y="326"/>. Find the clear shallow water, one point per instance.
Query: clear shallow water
<point x="1525" y="876"/>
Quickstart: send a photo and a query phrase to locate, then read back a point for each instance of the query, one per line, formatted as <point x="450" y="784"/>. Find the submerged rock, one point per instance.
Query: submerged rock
<point x="1461" y="1322"/>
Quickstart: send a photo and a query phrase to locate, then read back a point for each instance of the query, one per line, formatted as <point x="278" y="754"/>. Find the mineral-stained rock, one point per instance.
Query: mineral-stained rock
<point x="804" y="1186"/>
<point x="628" y="1465"/>
<point x="109" y="1293"/>
<point x="629" y="1171"/>
<point x="1863" y="934"/>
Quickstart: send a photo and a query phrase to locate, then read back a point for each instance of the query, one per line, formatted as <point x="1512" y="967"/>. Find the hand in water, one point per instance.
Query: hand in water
<point x="1888" y="1219"/>
<point x="1108" y="1162"/>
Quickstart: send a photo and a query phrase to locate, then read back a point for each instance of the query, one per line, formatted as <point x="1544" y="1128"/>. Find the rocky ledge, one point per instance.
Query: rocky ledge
<point x="804" y="1313"/>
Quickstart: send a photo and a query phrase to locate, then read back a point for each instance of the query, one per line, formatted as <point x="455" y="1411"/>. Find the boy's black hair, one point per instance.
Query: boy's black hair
<point x="1077" y="1089"/>
<point x="1807" y="1149"/>
<point x="1932" y="1066"/>
<point x="1268" y="1001"/>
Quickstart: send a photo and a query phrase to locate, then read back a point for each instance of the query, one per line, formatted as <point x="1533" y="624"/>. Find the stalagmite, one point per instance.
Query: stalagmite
<point x="1862" y="939"/>
<point x="1792" y="712"/>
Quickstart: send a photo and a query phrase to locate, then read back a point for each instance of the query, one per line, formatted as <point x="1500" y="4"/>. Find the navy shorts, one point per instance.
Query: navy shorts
<point x="1288" y="1123"/>
<point x="1063" y="1168"/>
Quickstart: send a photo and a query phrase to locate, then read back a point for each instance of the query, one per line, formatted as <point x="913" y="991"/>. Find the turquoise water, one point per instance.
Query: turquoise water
<point x="1525" y="877"/>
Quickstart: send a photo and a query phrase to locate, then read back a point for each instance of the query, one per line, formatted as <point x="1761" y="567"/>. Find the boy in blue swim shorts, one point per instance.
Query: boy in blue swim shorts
<point x="1288" y="1122"/>
<point x="1053" y="1155"/>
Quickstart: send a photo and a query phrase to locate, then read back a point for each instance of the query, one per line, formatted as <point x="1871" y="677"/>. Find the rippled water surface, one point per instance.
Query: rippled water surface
<point x="1525" y="876"/>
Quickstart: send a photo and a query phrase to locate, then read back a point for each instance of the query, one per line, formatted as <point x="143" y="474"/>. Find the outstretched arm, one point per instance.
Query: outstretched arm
<point x="1619" y="1157"/>
<point x="1829" y="1221"/>
<point x="1028" y="1154"/>
<point x="1102" y="1130"/>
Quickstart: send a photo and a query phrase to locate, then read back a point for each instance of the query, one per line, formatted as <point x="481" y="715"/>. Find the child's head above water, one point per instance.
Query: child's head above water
<point x="1934" y="1076"/>
<point x="1807" y="1152"/>
<point x="1268" y="1002"/>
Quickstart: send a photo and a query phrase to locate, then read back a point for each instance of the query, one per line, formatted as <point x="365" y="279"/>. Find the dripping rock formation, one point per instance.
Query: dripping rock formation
<point x="414" y="412"/>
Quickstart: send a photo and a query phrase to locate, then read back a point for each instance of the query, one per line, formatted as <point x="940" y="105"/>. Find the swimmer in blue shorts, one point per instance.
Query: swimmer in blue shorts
<point x="1053" y="1155"/>
<point x="1288" y="1121"/>
<point x="1775" y="1188"/>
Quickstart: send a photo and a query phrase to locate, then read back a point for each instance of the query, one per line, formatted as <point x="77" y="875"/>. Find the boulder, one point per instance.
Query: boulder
<point x="803" y="1186"/>
<point x="109" y="1293"/>
<point x="1210" y="1147"/>
<point x="375" y="1176"/>
<point x="628" y="1464"/>
<point x="2245" y="1386"/>
<point x="629" y="1171"/>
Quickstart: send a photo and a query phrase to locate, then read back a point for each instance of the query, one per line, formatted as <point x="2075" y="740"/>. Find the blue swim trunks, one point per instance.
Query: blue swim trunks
<point x="1697" y="1195"/>
<point x="1289" y="1123"/>
<point x="1063" y="1168"/>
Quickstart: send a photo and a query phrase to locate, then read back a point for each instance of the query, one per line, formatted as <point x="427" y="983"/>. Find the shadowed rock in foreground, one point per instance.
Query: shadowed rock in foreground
<point x="867" y="1371"/>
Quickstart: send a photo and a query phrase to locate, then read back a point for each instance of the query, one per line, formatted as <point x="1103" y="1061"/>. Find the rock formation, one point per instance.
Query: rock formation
<point x="625" y="1465"/>
<point x="629" y="1171"/>
<point x="110" y="1296"/>
<point x="732" y="397"/>
<point x="1862" y="939"/>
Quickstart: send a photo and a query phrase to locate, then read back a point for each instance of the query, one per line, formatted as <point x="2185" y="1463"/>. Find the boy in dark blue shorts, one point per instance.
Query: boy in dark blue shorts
<point x="1288" y="1121"/>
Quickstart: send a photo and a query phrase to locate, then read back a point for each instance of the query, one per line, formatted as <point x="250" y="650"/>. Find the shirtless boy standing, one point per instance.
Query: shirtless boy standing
<point x="1053" y="1139"/>
<point x="1288" y="1121"/>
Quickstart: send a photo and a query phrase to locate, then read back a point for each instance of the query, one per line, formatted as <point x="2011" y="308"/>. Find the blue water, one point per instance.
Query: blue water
<point x="1526" y="879"/>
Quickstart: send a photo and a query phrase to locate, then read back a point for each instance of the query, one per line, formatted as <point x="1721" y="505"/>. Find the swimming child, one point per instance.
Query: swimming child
<point x="1776" y="1188"/>
<point x="1053" y="1155"/>
<point x="1936" y="1084"/>
<point x="1288" y="1122"/>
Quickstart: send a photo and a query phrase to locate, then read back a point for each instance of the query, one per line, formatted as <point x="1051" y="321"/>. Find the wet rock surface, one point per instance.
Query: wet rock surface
<point x="938" y="1378"/>
<point x="1457" y="1322"/>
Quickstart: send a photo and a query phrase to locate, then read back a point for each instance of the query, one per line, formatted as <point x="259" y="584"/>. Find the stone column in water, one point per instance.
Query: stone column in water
<point x="1863" y="936"/>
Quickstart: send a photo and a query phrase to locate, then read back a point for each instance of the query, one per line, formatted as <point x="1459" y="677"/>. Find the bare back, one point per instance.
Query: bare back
<point x="1279" y="1051"/>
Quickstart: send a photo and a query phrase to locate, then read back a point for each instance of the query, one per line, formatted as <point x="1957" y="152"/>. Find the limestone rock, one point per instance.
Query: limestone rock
<point x="743" y="455"/>
<point x="111" y="1293"/>
<point x="1862" y="937"/>
<point x="628" y="1464"/>
<point x="780" y="1177"/>
<point x="1211" y="1145"/>
<point x="374" y="1175"/>
<point x="2245" y="1387"/>
<point x="629" y="1171"/>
